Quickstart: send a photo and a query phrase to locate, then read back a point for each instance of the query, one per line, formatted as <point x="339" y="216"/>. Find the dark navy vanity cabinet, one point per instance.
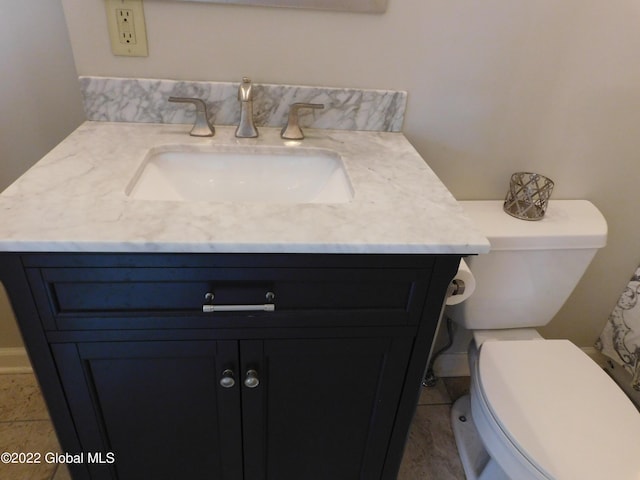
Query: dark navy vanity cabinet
<point x="230" y="366"/>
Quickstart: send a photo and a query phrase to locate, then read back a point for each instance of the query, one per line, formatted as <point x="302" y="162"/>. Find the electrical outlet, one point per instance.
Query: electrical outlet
<point x="126" y="28"/>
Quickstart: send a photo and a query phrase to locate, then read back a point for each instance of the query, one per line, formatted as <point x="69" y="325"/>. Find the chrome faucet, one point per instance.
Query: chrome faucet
<point x="202" y="126"/>
<point x="246" y="127"/>
<point x="292" y="130"/>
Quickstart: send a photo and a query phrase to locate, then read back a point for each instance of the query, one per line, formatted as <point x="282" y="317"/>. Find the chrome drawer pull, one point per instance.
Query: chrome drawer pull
<point x="267" y="307"/>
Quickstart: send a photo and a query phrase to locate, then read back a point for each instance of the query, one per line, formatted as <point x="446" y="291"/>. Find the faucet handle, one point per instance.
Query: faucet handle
<point x="292" y="131"/>
<point x="202" y="126"/>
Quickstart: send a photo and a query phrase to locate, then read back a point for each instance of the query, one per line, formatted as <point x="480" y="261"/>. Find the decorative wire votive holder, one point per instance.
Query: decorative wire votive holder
<point x="528" y="195"/>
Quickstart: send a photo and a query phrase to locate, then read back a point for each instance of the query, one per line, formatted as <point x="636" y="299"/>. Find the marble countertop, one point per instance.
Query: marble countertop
<point x="73" y="200"/>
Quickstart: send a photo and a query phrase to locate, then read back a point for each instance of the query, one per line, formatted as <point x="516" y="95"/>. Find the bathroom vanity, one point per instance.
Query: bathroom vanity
<point x="227" y="339"/>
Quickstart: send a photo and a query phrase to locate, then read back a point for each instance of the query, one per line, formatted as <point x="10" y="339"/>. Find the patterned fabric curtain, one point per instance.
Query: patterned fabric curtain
<point x="620" y="338"/>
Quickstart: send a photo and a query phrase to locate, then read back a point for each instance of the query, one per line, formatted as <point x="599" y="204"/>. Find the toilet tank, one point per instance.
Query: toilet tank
<point x="533" y="266"/>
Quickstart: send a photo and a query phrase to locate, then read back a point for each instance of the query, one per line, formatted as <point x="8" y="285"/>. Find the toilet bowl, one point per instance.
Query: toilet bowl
<point x="538" y="409"/>
<point x="544" y="410"/>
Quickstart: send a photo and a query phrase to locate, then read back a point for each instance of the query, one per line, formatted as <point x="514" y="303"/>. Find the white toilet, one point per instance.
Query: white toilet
<point x="538" y="409"/>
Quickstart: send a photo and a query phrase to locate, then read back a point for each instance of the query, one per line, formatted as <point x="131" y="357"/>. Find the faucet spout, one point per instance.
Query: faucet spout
<point x="245" y="91"/>
<point x="246" y="127"/>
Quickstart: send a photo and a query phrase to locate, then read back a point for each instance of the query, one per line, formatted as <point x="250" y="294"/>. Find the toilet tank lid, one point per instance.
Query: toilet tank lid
<point x="566" y="224"/>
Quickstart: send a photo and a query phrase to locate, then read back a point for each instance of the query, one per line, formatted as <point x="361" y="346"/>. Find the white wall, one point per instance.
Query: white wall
<point x="494" y="87"/>
<point x="39" y="99"/>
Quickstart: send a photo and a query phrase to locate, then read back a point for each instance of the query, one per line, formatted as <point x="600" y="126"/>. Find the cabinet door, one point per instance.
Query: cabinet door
<point x="158" y="406"/>
<point x="323" y="408"/>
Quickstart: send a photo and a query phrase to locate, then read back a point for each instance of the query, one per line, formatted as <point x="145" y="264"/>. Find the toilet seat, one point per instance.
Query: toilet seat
<point x="561" y="414"/>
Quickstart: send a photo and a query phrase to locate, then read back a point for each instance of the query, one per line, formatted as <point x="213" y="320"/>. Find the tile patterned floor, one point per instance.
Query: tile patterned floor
<point x="431" y="452"/>
<point x="25" y="427"/>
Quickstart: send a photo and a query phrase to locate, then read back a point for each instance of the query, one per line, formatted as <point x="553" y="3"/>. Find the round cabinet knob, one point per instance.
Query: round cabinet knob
<point x="251" y="380"/>
<point x="227" y="380"/>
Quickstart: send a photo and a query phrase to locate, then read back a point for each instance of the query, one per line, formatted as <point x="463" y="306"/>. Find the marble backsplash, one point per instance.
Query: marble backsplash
<point x="145" y="101"/>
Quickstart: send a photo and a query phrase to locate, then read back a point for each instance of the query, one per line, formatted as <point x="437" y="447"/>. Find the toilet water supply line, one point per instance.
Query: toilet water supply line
<point x="456" y="287"/>
<point x="430" y="379"/>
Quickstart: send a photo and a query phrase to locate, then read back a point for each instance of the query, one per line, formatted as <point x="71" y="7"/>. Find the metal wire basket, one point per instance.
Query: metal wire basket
<point x="528" y="195"/>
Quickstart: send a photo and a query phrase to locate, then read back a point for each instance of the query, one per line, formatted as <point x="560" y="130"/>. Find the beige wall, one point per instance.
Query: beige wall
<point x="39" y="99"/>
<point x="494" y="87"/>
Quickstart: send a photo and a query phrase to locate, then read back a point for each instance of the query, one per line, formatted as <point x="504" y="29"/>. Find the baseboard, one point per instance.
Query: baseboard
<point x="14" y="360"/>
<point x="457" y="365"/>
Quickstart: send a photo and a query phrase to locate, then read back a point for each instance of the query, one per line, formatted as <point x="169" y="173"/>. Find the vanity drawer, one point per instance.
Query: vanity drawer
<point x="140" y="298"/>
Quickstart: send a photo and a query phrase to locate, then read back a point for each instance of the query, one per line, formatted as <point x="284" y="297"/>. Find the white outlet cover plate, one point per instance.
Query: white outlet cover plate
<point x="135" y="43"/>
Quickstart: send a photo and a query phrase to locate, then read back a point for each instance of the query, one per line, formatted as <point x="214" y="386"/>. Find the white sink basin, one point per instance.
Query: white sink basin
<point x="241" y="174"/>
